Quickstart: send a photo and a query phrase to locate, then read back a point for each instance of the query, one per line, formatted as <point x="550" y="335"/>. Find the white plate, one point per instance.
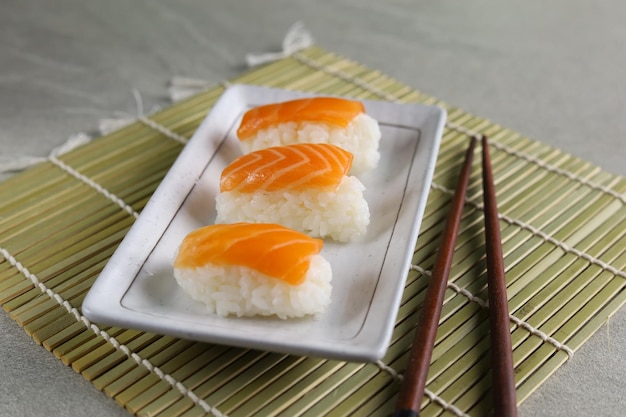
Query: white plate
<point x="137" y="290"/>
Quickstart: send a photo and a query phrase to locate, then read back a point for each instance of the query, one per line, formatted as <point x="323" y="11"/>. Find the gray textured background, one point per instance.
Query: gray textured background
<point x="553" y="71"/>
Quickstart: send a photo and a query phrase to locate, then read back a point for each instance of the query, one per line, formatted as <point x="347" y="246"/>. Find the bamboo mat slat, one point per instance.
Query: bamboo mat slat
<point x="563" y="225"/>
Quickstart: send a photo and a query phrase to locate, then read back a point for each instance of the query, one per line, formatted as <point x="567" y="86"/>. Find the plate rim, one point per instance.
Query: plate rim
<point x="111" y="311"/>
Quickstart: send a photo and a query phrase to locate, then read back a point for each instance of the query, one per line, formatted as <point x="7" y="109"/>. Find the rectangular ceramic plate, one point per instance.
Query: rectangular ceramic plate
<point x="137" y="290"/>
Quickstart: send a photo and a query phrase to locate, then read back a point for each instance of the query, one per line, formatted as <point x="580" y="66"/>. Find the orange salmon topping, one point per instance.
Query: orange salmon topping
<point x="270" y="249"/>
<point x="287" y="168"/>
<point x="331" y="110"/>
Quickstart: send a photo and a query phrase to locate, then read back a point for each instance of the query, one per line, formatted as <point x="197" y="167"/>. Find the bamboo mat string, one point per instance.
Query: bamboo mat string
<point x="551" y="168"/>
<point x="446" y="406"/>
<point x="109" y="339"/>
<point x="110" y="125"/>
<point x="539" y="233"/>
<point x="162" y="129"/>
<point x="519" y="322"/>
<point x="431" y="395"/>
<point x="91" y="183"/>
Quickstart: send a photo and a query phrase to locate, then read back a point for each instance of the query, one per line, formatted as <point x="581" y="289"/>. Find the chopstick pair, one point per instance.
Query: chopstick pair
<point x="414" y="379"/>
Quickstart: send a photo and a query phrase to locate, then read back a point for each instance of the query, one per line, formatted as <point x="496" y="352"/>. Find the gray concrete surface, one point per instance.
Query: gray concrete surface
<point x="551" y="70"/>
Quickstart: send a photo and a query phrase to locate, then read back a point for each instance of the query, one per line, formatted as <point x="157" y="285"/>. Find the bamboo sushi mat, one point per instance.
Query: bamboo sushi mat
<point x="563" y="225"/>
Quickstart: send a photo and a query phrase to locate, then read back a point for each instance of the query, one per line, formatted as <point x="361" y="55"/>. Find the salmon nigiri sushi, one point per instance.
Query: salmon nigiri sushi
<point x="303" y="186"/>
<point x="254" y="269"/>
<point x="332" y="120"/>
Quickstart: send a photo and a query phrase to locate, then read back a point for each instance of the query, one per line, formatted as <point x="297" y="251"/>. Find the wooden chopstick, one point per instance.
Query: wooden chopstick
<point x="414" y="379"/>
<point x="504" y="396"/>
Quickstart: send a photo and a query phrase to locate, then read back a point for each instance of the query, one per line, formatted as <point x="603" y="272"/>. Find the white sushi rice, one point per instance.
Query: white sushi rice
<point x="361" y="138"/>
<point x="241" y="291"/>
<point x="341" y="214"/>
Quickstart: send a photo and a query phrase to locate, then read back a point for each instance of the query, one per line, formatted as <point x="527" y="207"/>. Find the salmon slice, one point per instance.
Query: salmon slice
<point x="270" y="249"/>
<point x="287" y="168"/>
<point x="331" y="110"/>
